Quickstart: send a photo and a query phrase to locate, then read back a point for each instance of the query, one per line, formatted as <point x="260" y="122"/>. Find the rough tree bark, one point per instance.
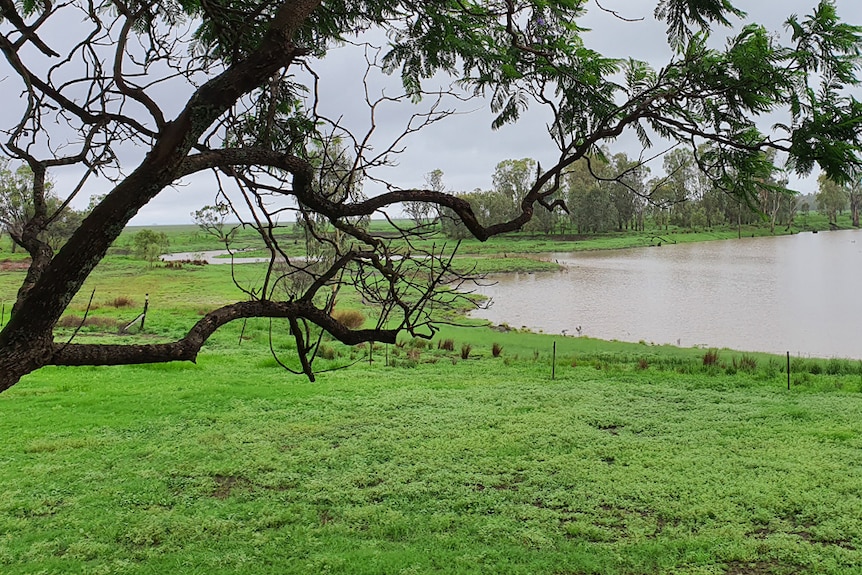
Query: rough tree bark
<point x="26" y="342"/>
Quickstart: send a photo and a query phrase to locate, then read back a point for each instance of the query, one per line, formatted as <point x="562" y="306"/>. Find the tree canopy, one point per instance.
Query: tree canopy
<point x="147" y="93"/>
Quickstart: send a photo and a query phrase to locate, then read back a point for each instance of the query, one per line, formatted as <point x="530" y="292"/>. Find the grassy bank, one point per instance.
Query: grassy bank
<point x="503" y="253"/>
<point x="484" y="450"/>
<point x="457" y="466"/>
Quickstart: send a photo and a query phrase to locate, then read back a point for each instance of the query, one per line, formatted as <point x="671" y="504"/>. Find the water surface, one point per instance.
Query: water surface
<point x="800" y="293"/>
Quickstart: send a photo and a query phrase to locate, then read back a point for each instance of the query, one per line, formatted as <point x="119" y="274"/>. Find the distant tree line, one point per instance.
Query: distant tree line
<point x="612" y="192"/>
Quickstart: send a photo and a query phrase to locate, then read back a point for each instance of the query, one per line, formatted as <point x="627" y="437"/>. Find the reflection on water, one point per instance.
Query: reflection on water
<point x="215" y="257"/>
<point x="800" y="293"/>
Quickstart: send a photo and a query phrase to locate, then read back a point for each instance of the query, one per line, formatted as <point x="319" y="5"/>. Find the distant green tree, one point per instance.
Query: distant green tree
<point x="150" y="245"/>
<point x="591" y="208"/>
<point x="452" y="226"/>
<point x="18" y="212"/>
<point x="419" y="212"/>
<point x="805" y="209"/>
<point x="681" y="169"/>
<point x="854" y="195"/>
<point x="628" y="190"/>
<point x="65" y="221"/>
<point x="512" y="179"/>
<point x="661" y="199"/>
<point x="212" y="220"/>
<point x="831" y="198"/>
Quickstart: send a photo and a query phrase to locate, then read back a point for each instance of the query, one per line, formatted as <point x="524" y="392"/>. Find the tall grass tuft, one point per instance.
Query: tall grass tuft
<point x="351" y="318"/>
<point x="465" y="350"/>
<point x="122" y="301"/>
<point x="446" y="344"/>
<point x="837" y="366"/>
<point x="746" y="363"/>
<point x="101" y="322"/>
<point x="710" y="358"/>
<point x="496" y="349"/>
<point x="326" y="351"/>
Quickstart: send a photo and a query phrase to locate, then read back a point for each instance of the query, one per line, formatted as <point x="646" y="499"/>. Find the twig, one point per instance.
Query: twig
<point x="80" y="325"/>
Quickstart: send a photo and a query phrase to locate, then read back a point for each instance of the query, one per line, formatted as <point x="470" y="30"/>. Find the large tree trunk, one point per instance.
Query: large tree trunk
<point x="20" y="358"/>
<point x="30" y="351"/>
<point x="26" y="341"/>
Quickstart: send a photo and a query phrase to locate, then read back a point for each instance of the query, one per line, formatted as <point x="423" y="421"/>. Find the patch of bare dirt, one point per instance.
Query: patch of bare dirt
<point x="227" y="483"/>
<point x="14" y="265"/>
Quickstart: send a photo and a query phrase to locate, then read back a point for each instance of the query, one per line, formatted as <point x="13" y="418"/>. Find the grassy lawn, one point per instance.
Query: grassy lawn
<point x="437" y="457"/>
<point x="457" y="466"/>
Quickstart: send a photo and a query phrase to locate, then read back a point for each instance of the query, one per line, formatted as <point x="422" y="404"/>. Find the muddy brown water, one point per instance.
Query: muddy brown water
<point x="800" y="293"/>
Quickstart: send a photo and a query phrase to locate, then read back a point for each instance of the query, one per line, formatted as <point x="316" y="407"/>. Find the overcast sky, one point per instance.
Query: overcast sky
<point x="464" y="147"/>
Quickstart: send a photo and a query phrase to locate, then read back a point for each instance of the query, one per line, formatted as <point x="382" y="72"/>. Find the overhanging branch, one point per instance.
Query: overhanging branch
<point x="187" y="348"/>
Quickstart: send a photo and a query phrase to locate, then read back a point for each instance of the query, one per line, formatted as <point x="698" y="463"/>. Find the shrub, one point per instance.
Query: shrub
<point x="418" y="343"/>
<point x="710" y="357"/>
<point x="446" y="344"/>
<point x="496" y="349"/>
<point x="465" y="350"/>
<point x="121" y="301"/>
<point x="150" y="245"/>
<point x="407" y="363"/>
<point x="351" y="318"/>
<point x="327" y="351"/>
<point x="772" y="368"/>
<point x="746" y="363"/>
<point x="802" y="379"/>
<point x="69" y="321"/>
<point x="837" y="366"/>
<point x="798" y="364"/>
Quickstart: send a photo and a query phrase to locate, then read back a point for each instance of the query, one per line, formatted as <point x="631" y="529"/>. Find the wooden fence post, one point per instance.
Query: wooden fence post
<point x="788" y="371"/>
<point x="554" y="362"/>
<point x="144" y="314"/>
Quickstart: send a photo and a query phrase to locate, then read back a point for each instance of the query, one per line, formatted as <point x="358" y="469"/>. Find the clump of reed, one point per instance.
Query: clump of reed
<point x="351" y="318"/>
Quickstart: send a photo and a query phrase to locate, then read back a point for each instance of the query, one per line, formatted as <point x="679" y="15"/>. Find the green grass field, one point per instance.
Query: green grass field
<point x="457" y="466"/>
<point x="632" y="459"/>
